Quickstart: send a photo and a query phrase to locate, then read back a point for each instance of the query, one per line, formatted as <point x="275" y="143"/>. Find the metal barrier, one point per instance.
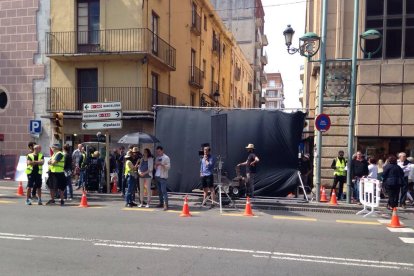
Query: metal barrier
<point x="369" y="195"/>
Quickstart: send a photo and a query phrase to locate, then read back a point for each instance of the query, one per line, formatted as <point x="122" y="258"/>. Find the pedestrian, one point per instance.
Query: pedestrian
<point x="162" y="166"/>
<point x="405" y="166"/>
<point x="136" y="159"/>
<point x="372" y="168"/>
<point x="30" y="146"/>
<point x="68" y="172"/>
<point x="359" y="169"/>
<point x="82" y="169"/>
<point x="34" y="170"/>
<point x="410" y="193"/>
<point x="120" y="165"/>
<point x="380" y="168"/>
<point x="145" y="169"/>
<point x="130" y="177"/>
<point x="76" y="159"/>
<point x="57" y="180"/>
<point x="251" y="169"/>
<point x="339" y="165"/>
<point x="206" y="175"/>
<point x="393" y="180"/>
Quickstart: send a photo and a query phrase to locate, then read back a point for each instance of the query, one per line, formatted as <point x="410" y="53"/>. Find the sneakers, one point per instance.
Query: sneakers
<point x="52" y="201"/>
<point x="62" y="202"/>
<point x="140" y="205"/>
<point x="147" y="206"/>
<point x="39" y="202"/>
<point x="129" y="205"/>
<point x="133" y="204"/>
<point x="28" y="202"/>
<point x="165" y="207"/>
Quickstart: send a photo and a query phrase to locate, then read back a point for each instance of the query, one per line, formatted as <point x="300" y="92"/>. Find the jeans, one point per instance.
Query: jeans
<point x="356" y="189"/>
<point x="68" y="187"/>
<point x="162" y="189"/>
<point x="250" y="184"/>
<point x="404" y="190"/>
<point x="82" y="178"/>
<point x="129" y="197"/>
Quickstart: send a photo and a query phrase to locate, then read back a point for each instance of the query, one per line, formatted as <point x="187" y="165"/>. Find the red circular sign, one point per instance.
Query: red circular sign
<point x="322" y="122"/>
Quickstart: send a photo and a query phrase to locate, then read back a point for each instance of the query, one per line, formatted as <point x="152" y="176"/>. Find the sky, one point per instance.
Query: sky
<point x="278" y="14"/>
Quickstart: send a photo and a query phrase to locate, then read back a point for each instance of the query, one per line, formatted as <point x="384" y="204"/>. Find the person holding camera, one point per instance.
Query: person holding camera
<point x="206" y="175"/>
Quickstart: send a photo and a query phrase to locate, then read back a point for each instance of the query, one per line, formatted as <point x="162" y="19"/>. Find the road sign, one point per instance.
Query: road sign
<point x="322" y="122"/>
<point x="102" y="106"/>
<point x="103" y="115"/>
<point x="35" y="126"/>
<point x="101" y="125"/>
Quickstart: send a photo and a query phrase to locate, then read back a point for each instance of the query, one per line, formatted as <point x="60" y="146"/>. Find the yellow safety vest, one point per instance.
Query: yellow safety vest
<point x="29" y="168"/>
<point x="127" y="169"/>
<point x="59" y="166"/>
<point x="340" y="167"/>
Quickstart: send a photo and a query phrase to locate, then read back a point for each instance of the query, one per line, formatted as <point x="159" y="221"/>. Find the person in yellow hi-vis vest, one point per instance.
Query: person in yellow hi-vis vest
<point x="34" y="171"/>
<point x="339" y="166"/>
<point x="57" y="180"/>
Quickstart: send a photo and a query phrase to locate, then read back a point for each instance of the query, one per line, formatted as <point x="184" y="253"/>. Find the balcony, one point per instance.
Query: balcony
<point x="216" y="45"/>
<point x="265" y="42"/>
<point x="257" y="67"/>
<point x="264" y="59"/>
<point x="107" y="44"/>
<point x="259" y="22"/>
<point x="196" y="77"/>
<point x="214" y="87"/>
<point x="263" y="78"/>
<point x="196" y="23"/>
<point x="133" y="99"/>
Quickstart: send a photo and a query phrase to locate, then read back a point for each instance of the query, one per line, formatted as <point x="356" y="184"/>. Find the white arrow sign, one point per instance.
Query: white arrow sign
<point x="101" y="125"/>
<point x="104" y="115"/>
<point x="102" y="106"/>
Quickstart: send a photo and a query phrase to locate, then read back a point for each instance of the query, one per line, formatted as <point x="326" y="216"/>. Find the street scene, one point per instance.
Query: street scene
<point x="206" y="137"/>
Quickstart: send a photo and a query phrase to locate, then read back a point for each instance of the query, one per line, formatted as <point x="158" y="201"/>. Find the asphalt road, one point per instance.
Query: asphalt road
<point x="108" y="239"/>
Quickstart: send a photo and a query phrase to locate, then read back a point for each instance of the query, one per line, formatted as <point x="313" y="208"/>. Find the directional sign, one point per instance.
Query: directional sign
<point x="322" y="122"/>
<point x="104" y="115"/>
<point x="102" y="106"/>
<point x="101" y="125"/>
<point x="35" y="126"/>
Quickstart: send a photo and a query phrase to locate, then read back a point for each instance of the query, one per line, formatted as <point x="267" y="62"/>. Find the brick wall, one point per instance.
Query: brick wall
<point x="18" y="44"/>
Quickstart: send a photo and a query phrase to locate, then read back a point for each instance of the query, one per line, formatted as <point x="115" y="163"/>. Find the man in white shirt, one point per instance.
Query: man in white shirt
<point x="162" y="166"/>
<point x="405" y="165"/>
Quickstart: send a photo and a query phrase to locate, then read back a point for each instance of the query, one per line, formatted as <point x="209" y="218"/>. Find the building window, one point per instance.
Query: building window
<point x="155" y="29"/>
<point x="155" y="86"/>
<point x="88" y="22"/>
<point x="205" y="23"/>
<point x="395" y="20"/>
<point x="204" y="68"/>
<point x="192" y="99"/>
<point x="4" y="100"/>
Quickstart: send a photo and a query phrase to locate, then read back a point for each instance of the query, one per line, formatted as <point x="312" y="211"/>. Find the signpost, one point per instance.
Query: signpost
<point x="105" y="115"/>
<point x="322" y="122"/>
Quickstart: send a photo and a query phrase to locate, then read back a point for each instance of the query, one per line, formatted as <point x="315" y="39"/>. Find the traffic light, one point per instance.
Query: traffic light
<point x="58" y="125"/>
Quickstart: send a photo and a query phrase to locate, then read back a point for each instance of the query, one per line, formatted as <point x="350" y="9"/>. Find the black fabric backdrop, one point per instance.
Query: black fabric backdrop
<point x="275" y="134"/>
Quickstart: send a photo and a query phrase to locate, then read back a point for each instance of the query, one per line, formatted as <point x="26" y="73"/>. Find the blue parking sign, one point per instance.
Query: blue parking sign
<point x="35" y="126"/>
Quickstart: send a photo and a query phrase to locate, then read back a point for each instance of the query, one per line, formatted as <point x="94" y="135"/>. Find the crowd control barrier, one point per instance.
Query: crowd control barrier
<point x="369" y="195"/>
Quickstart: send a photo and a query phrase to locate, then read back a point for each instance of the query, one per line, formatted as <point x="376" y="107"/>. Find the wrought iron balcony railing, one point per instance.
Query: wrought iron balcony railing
<point x="133" y="99"/>
<point x="115" y="41"/>
<point x="196" y="77"/>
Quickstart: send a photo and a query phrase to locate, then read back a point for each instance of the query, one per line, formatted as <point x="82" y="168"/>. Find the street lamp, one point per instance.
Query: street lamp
<point x="370" y="35"/>
<point x="216" y="96"/>
<point x="309" y="43"/>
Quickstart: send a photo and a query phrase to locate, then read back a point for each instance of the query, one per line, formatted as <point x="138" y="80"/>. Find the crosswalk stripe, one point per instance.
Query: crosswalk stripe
<point x="407" y="240"/>
<point x="295" y="218"/>
<point x="401" y="230"/>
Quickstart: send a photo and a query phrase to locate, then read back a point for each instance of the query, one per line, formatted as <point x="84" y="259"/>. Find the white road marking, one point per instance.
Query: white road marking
<point x="387" y="221"/>
<point x="332" y="262"/>
<point x="132" y="246"/>
<point x="15" y="238"/>
<point x="407" y="240"/>
<point x="274" y="255"/>
<point x="401" y="230"/>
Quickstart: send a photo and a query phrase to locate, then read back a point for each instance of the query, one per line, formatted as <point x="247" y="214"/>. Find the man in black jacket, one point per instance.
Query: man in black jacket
<point x="359" y="169"/>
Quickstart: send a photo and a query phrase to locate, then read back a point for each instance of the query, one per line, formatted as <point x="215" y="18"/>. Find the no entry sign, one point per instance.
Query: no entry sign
<point x="322" y="122"/>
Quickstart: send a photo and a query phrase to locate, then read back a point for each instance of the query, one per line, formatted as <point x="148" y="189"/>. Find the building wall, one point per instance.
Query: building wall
<point x="384" y="99"/>
<point x="18" y="45"/>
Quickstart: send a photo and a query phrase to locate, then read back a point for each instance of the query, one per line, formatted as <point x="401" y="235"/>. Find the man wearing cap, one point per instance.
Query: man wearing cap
<point x="339" y="165"/>
<point x="250" y="164"/>
<point x="34" y="163"/>
<point x="57" y="174"/>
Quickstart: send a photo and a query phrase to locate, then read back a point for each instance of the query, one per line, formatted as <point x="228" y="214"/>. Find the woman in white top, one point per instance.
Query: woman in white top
<point x="145" y="176"/>
<point x="372" y="168"/>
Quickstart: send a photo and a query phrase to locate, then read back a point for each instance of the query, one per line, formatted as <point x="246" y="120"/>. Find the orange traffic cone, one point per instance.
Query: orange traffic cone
<point x="114" y="188"/>
<point x="20" y="189"/>
<point x="248" y="210"/>
<point x="333" y="198"/>
<point x="323" y="196"/>
<point x="84" y="201"/>
<point x="186" y="209"/>
<point x="395" y="221"/>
